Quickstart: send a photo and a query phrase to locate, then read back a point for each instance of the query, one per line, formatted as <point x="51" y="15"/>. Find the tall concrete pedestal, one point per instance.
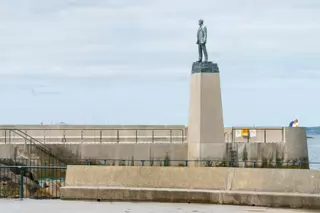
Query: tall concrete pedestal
<point x="206" y="128"/>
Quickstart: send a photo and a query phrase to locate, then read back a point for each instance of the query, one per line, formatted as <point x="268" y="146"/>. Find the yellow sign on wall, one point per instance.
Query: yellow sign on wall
<point x="245" y="133"/>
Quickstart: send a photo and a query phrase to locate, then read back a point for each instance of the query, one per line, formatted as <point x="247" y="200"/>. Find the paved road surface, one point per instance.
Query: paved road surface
<point x="58" y="206"/>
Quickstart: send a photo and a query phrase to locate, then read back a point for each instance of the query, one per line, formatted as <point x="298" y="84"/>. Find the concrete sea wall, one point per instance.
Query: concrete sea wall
<point x="176" y="153"/>
<point x="155" y="143"/>
<point x="260" y="187"/>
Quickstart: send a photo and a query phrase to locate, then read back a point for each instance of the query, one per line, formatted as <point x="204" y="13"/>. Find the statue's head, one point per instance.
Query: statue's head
<point x="200" y="22"/>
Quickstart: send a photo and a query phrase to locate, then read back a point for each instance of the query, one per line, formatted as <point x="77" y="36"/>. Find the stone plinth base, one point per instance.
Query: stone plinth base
<point x="205" y="129"/>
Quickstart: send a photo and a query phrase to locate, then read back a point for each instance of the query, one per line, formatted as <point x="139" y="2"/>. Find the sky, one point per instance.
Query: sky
<point x="129" y="62"/>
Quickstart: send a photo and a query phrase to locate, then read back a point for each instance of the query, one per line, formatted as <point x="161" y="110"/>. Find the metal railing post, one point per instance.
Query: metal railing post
<point x="232" y="135"/>
<point x="136" y="136"/>
<point x="182" y="136"/>
<point x="21" y="183"/>
<point x="100" y="136"/>
<point x="170" y="135"/>
<point x="118" y="139"/>
<point x="64" y="140"/>
<point x="153" y="136"/>
<point x="44" y="136"/>
<point x="9" y="136"/>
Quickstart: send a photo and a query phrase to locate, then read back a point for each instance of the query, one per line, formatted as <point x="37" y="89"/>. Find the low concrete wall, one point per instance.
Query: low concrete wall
<point x="264" y="187"/>
<point x="239" y="179"/>
<point x="148" y="177"/>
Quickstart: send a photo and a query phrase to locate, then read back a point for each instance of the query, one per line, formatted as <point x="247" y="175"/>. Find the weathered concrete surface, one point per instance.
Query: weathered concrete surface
<point x="260" y="187"/>
<point x="276" y="180"/>
<point x="270" y="199"/>
<point x="176" y="152"/>
<point x="239" y="179"/>
<point x="155" y="177"/>
<point x="296" y="143"/>
<point x="205" y="128"/>
<point x="261" y="151"/>
<point x="54" y="206"/>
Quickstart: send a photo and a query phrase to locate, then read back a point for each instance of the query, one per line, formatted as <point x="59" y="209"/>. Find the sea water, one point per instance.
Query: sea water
<point x="314" y="151"/>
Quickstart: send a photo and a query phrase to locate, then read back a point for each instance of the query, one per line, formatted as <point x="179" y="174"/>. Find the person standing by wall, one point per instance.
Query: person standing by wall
<point x="294" y="123"/>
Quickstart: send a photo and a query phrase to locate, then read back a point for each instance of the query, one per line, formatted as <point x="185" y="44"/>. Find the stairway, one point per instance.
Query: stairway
<point x="232" y="151"/>
<point x="33" y="143"/>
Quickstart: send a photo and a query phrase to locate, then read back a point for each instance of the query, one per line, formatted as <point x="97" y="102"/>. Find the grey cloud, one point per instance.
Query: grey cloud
<point x="98" y="37"/>
<point x="122" y="50"/>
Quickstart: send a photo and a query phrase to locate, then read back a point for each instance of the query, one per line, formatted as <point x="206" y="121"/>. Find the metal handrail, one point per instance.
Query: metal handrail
<point x="31" y="139"/>
<point x="37" y="144"/>
<point x="174" y="135"/>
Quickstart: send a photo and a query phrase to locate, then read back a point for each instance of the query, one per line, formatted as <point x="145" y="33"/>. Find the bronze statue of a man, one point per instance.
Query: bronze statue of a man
<point x="202" y="40"/>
